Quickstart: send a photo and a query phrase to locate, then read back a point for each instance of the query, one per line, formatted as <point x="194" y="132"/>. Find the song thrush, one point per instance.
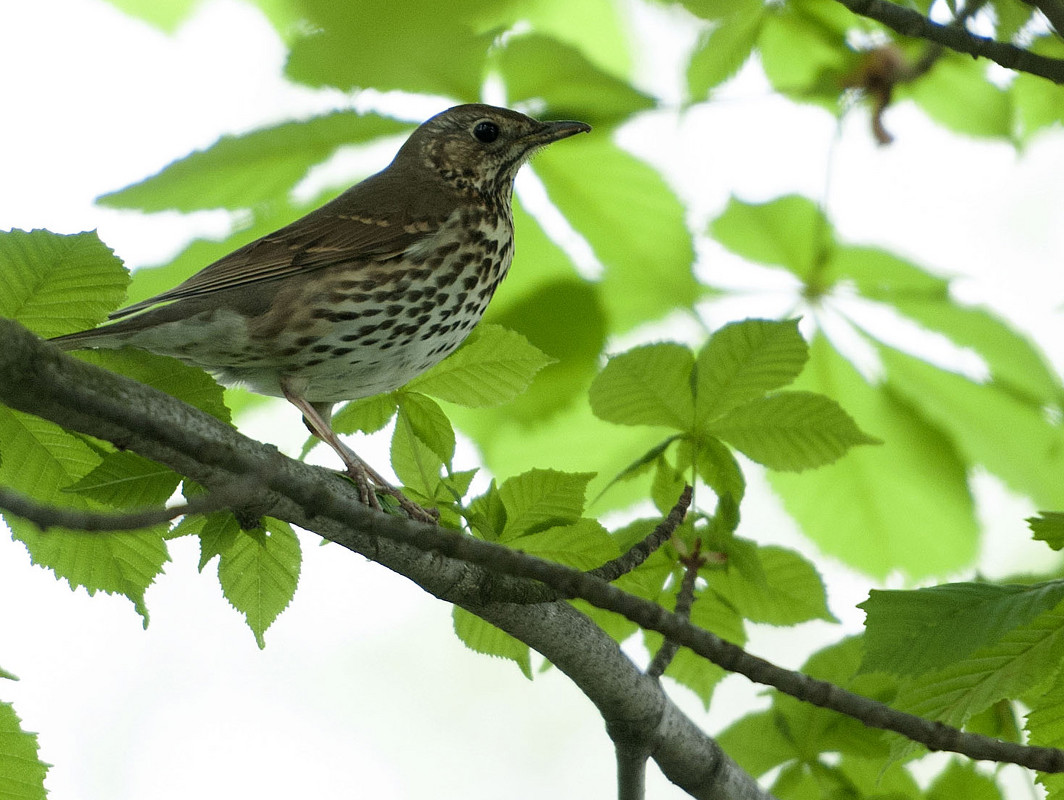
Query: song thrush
<point x="366" y="292"/>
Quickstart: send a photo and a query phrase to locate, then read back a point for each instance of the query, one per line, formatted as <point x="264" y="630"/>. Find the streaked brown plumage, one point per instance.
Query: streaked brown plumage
<point x="363" y="294"/>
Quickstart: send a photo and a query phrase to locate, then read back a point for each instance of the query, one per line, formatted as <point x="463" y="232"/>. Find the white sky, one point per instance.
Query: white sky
<point x="362" y="689"/>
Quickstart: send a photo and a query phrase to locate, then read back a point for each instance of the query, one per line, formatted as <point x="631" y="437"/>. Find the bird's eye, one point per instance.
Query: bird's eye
<point x="486" y="132"/>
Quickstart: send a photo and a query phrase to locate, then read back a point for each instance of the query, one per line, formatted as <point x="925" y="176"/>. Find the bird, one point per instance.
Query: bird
<point x="363" y="294"/>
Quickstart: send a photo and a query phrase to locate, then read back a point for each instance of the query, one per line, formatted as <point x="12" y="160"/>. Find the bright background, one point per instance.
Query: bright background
<point x="362" y="689"/>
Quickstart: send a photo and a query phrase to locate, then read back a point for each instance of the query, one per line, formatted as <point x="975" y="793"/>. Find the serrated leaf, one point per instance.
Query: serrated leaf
<point x="21" y="770"/>
<point x="1022" y="447"/>
<point x="791" y="430"/>
<point x="127" y="480"/>
<point x="727" y="47"/>
<point x="583" y="544"/>
<point x="648" y="385"/>
<point x="428" y="422"/>
<point x="758" y="742"/>
<point x="414" y="462"/>
<point x="217" y="534"/>
<point x="368" y="415"/>
<point x="908" y="499"/>
<point x="633" y="222"/>
<point x="1048" y="527"/>
<point x="666" y="486"/>
<point x="251" y="169"/>
<point x="715" y="464"/>
<point x="1045" y="725"/>
<point x="487" y="514"/>
<point x="259" y="574"/>
<point x="744" y="360"/>
<point x="1019" y="662"/>
<point x="789" y="232"/>
<point x="190" y="384"/>
<point x="56" y="284"/>
<point x="791" y="591"/>
<point x="492" y="367"/>
<point x="540" y="68"/>
<point x="913" y="632"/>
<point x="483" y="637"/>
<point x="40" y="460"/>
<point x="542" y="498"/>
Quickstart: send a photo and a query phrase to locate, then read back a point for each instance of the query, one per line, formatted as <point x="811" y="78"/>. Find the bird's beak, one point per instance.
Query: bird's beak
<point x="562" y="129"/>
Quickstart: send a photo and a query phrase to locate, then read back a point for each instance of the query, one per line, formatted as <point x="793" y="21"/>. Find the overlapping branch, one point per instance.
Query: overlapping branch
<point x="908" y="22"/>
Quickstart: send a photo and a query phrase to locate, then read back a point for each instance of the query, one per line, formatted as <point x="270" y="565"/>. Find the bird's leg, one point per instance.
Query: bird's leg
<point x="317" y="418"/>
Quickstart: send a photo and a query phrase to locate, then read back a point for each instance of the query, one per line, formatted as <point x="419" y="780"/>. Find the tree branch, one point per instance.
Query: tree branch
<point x="46" y="516"/>
<point x="625" y="563"/>
<point x="915" y="25"/>
<point x="36" y="378"/>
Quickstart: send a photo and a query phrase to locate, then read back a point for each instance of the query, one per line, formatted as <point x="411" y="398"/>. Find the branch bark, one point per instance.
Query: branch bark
<point x="915" y="25"/>
<point x="36" y="378"/>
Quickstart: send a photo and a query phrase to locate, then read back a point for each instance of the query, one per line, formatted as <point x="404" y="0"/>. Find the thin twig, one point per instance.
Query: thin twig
<point x="685" y="600"/>
<point x="628" y="561"/>
<point x="78" y="519"/>
<point x="915" y="25"/>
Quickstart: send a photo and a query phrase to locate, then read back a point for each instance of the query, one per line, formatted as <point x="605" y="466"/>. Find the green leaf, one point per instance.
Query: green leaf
<point x="21" y="770"/>
<point x="428" y="423"/>
<point x="743" y="360"/>
<point x="254" y="168"/>
<point x="957" y="94"/>
<point x="167" y="15"/>
<point x="962" y="780"/>
<point x="1015" y="362"/>
<point x="913" y="632"/>
<point x="545" y="316"/>
<point x="1022" y="448"/>
<point x="902" y="506"/>
<point x="583" y="544"/>
<point x="218" y="533"/>
<point x="373" y="43"/>
<point x="1020" y="662"/>
<point x="483" y="637"/>
<point x="814" y="730"/>
<point x="791" y="430"/>
<point x="789" y="232"/>
<point x="1045" y="724"/>
<point x="414" y="462"/>
<point x="492" y="367"/>
<point x="540" y="68"/>
<point x="487" y="514"/>
<point x="542" y="498"/>
<point x="1039" y="104"/>
<point x="791" y="590"/>
<point x="56" y="284"/>
<point x="41" y="460"/>
<point x="190" y="384"/>
<point x="1048" y="527"/>
<point x="727" y="47"/>
<point x="368" y="415"/>
<point x="259" y="572"/>
<point x="127" y="480"/>
<point x="666" y="486"/>
<point x="715" y="464"/>
<point x="804" y="50"/>
<point x="648" y="385"/>
<point x="758" y="742"/>
<point x="633" y="222"/>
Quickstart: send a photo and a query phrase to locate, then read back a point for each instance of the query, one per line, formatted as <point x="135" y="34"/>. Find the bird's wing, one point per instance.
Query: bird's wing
<point x="333" y="234"/>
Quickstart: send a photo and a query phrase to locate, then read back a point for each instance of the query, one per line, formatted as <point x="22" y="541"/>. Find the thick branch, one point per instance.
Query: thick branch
<point x="36" y="378"/>
<point x="911" y="23"/>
